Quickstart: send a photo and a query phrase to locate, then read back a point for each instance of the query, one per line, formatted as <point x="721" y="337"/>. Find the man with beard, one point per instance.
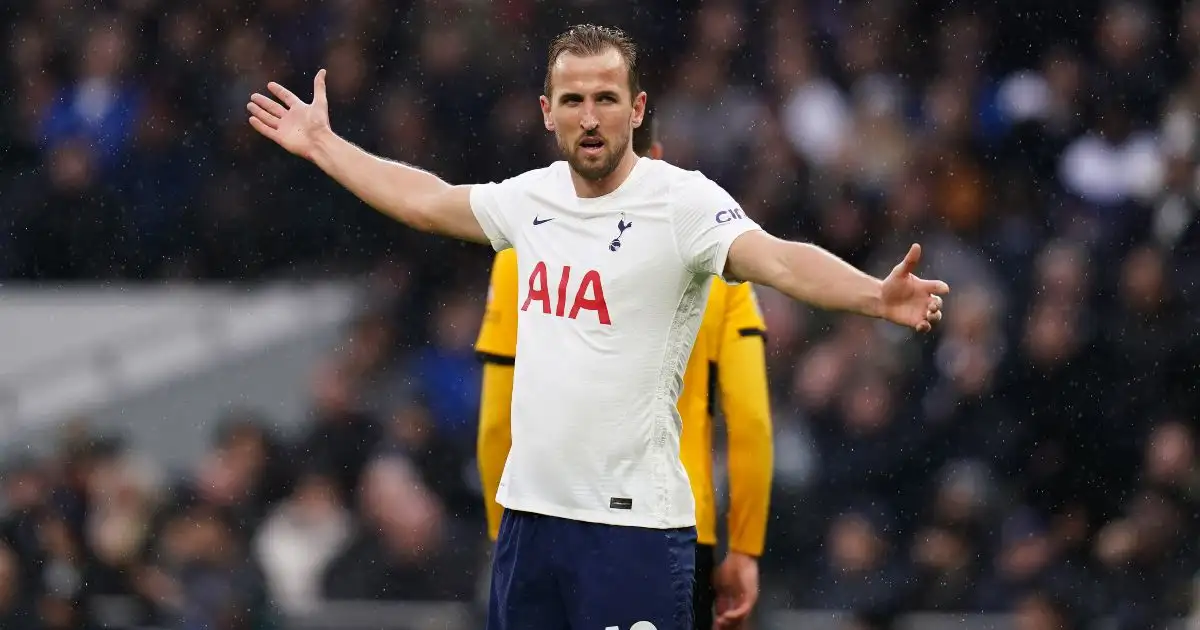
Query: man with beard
<point x="727" y="365"/>
<point x="616" y="255"/>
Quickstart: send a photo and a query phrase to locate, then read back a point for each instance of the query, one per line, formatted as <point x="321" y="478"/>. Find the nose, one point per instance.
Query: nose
<point x="589" y="121"/>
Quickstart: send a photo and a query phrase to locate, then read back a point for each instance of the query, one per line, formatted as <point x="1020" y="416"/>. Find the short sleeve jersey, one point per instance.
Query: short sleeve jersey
<point x="611" y="295"/>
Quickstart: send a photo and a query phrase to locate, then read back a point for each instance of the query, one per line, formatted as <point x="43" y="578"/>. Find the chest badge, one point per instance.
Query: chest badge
<point x="622" y="225"/>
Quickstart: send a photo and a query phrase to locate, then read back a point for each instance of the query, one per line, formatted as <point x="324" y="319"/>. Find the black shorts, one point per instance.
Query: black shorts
<point x="704" y="596"/>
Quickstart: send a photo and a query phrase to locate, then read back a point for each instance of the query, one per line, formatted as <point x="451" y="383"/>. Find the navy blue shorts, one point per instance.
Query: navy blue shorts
<point x="556" y="574"/>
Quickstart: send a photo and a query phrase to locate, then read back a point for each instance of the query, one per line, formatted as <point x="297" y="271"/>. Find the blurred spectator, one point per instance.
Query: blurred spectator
<point x="447" y="372"/>
<point x="299" y="538"/>
<point x="862" y="571"/>
<point x="341" y="435"/>
<point x="201" y="576"/>
<point x="405" y="547"/>
<point x="99" y="107"/>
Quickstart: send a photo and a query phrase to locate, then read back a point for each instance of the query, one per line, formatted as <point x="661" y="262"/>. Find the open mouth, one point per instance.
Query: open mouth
<point x="591" y="146"/>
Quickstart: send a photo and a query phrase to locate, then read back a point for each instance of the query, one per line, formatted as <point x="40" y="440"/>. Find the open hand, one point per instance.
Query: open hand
<point x="294" y="124"/>
<point x="909" y="300"/>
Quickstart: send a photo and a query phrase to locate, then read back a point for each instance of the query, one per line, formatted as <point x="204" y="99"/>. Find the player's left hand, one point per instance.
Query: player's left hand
<point x="736" y="583"/>
<point x="909" y="300"/>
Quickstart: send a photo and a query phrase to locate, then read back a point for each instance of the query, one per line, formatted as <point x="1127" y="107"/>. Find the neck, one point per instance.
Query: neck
<point x="587" y="188"/>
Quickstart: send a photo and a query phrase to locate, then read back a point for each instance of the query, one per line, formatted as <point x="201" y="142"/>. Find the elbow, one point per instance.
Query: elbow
<point x="421" y="214"/>
<point x="751" y="433"/>
<point x="777" y="268"/>
<point x="493" y="427"/>
<point x="767" y="267"/>
<point x="440" y="211"/>
<point x="424" y="211"/>
<point x="489" y="440"/>
<point x="779" y="271"/>
<point x="493" y="419"/>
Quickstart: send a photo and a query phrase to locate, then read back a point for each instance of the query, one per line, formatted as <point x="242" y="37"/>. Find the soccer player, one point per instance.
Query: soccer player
<point x="616" y="255"/>
<point x="729" y="353"/>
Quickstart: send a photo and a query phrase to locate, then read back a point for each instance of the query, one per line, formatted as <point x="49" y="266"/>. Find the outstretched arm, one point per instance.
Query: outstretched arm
<point x="714" y="236"/>
<point x="410" y="195"/>
<point x="810" y="274"/>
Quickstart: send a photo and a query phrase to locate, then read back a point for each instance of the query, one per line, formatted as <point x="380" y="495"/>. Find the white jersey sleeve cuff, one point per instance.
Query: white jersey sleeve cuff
<point x="486" y="209"/>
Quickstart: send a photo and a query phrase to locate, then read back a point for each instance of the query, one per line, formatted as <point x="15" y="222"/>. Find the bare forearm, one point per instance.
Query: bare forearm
<point x="811" y="274"/>
<point x="397" y="190"/>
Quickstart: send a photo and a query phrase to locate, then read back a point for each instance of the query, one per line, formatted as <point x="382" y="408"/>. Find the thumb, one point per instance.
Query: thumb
<point x="319" y="88"/>
<point x="911" y="259"/>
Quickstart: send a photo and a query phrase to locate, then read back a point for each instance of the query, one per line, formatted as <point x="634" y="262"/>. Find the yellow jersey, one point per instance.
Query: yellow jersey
<point x="727" y="368"/>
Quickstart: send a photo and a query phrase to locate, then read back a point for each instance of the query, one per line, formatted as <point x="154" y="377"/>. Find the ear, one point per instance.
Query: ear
<point x="547" y="119"/>
<point x="639" y="109"/>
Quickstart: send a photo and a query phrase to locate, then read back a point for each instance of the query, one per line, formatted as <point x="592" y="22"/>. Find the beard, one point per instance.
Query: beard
<point x="600" y="167"/>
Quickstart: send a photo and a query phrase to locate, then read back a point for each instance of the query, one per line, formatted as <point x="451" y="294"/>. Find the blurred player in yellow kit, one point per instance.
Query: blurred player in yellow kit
<point x="727" y="367"/>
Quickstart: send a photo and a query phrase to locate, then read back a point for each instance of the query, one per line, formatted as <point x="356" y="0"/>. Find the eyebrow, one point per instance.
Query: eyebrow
<point x="576" y="96"/>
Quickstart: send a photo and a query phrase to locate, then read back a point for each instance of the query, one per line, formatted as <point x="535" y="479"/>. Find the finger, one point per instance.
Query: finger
<point x="263" y="115"/>
<point x="319" y="87"/>
<point x="284" y="94"/>
<point x="911" y="258"/>
<point x="935" y="304"/>
<point x="924" y="327"/>
<point x="935" y="317"/>
<point x="261" y="127"/>
<point x="737" y="614"/>
<point x="935" y="287"/>
<point x="269" y="104"/>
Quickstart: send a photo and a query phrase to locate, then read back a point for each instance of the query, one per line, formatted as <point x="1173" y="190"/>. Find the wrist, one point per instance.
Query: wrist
<point x="323" y="143"/>
<point x="752" y="557"/>
<point x="872" y="302"/>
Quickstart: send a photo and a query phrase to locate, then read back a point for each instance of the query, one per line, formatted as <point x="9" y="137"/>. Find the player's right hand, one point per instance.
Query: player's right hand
<point x="294" y="124"/>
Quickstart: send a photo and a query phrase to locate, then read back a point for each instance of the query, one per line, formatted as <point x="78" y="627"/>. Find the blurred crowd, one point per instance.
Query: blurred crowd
<point x="1035" y="455"/>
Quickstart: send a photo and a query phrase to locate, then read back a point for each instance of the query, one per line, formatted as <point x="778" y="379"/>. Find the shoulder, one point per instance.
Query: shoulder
<point x="532" y="180"/>
<point x="696" y="200"/>
<point x="672" y="175"/>
<point x="692" y="190"/>
<point x="540" y="175"/>
<point x="513" y="200"/>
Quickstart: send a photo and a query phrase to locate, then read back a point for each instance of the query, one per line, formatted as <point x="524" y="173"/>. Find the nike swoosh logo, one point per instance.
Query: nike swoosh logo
<point x="537" y="222"/>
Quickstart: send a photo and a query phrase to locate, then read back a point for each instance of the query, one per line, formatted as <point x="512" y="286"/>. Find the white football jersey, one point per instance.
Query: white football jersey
<point x="612" y="292"/>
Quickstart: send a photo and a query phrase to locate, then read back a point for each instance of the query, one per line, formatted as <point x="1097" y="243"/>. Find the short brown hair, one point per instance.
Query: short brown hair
<point x="587" y="40"/>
